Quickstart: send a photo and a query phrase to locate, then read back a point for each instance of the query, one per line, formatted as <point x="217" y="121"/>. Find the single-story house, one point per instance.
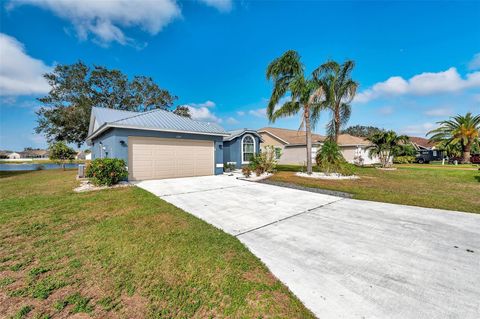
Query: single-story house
<point x="240" y="146"/>
<point x="421" y="143"/>
<point x="291" y="146"/>
<point x="35" y="153"/>
<point x="13" y="155"/>
<point x="83" y="155"/>
<point x="160" y="144"/>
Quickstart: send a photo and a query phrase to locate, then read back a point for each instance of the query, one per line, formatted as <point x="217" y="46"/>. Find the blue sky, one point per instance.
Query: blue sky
<point x="416" y="62"/>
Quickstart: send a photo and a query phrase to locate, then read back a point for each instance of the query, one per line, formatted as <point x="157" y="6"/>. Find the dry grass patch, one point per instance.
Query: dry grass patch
<point x="123" y="253"/>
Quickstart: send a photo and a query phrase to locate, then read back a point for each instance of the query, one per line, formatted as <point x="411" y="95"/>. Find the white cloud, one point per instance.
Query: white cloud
<point x="220" y="5"/>
<point x="20" y="74"/>
<point x="232" y="121"/>
<point x="427" y="83"/>
<point x="104" y="19"/>
<point x="258" y="112"/>
<point x="475" y="63"/>
<point x="442" y="111"/>
<point x="418" y="129"/>
<point x="386" y="110"/>
<point x="240" y="113"/>
<point x="203" y="114"/>
<point x="207" y="103"/>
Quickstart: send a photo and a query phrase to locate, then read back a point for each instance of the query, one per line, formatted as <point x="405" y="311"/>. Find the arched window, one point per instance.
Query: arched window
<point x="248" y="148"/>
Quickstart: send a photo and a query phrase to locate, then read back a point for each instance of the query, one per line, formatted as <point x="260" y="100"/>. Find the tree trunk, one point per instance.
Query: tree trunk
<point x="466" y="153"/>
<point x="308" y="137"/>
<point x="337" y="123"/>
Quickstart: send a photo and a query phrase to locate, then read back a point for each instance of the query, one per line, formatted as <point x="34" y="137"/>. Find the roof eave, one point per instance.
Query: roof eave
<point x="105" y="126"/>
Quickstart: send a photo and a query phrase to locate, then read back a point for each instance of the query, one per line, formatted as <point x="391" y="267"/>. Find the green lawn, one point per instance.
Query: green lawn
<point x="446" y="187"/>
<point x="122" y="253"/>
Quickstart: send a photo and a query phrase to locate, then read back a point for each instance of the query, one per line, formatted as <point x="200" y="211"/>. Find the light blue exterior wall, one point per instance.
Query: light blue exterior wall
<point x="232" y="150"/>
<point x="113" y="148"/>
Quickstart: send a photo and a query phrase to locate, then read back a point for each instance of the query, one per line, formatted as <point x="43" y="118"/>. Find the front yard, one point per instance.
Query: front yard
<point x="122" y="253"/>
<point x="436" y="186"/>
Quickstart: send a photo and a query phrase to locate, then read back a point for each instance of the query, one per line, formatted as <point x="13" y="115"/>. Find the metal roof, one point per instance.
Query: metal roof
<point x="104" y="115"/>
<point x="159" y="120"/>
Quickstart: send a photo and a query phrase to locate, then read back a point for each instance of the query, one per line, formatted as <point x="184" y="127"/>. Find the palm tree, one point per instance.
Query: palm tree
<point x="339" y="90"/>
<point x="286" y="72"/>
<point x="463" y="130"/>
<point x="385" y="143"/>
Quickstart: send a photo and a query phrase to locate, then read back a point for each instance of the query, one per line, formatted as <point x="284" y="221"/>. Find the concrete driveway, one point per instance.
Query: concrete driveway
<point x="345" y="258"/>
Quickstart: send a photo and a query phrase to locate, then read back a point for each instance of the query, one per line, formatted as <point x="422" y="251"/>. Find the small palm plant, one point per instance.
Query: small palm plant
<point x="385" y="144"/>
<point x="463" y="130"/>
<point x="288" y="77"/>
<point x="329" y="158"/>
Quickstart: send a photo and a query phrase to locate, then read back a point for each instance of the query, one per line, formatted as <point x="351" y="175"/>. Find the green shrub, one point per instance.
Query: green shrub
<point x="265" y="161"/>
<point x="346" y="169"/>
<point x="403" y="159"/>
<point x="228" y="167"/>
<point x="107" y="171"/>
<point x="329" y="158"/>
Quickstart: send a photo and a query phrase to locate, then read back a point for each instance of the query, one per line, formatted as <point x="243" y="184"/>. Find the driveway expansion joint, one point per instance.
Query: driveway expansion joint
<point x="202" y="190"/>
<point x="288" y="217"/>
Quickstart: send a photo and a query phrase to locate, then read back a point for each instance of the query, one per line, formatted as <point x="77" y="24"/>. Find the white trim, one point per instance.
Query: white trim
<point x="101" y="129"/>
<point x="254" y="147"/>
<point x="271" y="134"/>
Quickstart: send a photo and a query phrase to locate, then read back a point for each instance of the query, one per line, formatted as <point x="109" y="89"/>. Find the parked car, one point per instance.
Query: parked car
<point x="426" y="156"/>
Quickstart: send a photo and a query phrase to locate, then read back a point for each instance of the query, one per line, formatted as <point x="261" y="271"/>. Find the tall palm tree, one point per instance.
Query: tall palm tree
<point x="339" y="89"/>
<point x="463" y="130"/>
<point x="286" y="72"/>
<point x="385" y="143"/>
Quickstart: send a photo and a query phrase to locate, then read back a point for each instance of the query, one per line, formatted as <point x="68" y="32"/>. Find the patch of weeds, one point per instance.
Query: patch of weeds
<point x="60" y="304"/>
<point x="23" y="312"/>
<point x="6" y="281"/>
<point x="107" y="303"/>
<point x="43" y="316"/>
<point x="75" y="263"/>
<point x="31" y="229"/>
<point x="22" y="292"/>
<point x="35" y="272"/>
<point x="43" y="288"/>
<point x="81" y="303"/>
<point x="5" y="259"/>
<point x="21" y="265"/>
<point x="42" y="242"/>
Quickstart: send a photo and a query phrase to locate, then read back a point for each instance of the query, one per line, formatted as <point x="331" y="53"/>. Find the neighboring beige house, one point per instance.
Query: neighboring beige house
<point x="292" y="147"/>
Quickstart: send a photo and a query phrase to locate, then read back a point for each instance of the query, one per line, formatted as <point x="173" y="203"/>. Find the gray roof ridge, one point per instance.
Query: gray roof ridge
<point x="136" y="115"/>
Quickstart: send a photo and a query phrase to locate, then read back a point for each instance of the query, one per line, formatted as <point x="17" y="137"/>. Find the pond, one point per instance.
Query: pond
<point x="34" y="167"/>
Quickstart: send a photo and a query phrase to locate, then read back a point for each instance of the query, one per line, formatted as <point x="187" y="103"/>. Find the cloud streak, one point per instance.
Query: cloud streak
<point x="103" y="21"/>
<point x="423" y="84"/>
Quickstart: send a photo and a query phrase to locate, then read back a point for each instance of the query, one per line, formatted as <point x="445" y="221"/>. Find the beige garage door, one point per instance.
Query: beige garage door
<point x="155" y="158"/>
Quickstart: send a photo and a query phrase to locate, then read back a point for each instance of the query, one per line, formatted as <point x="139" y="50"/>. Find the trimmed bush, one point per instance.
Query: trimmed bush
<point x="403" y="159"/>
<point x="107" y="171"/>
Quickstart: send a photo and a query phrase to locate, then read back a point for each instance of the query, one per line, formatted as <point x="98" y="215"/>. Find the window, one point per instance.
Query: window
<point x="248" y="148"/>
<point x="278" y="152"/>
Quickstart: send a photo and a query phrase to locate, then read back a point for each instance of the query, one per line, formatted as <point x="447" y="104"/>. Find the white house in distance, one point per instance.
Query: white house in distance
<point x="291" y="144"/>
<point x="13" y="155"/>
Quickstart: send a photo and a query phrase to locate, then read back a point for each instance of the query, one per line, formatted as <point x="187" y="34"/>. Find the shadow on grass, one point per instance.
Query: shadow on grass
<point x="5" y="174"/>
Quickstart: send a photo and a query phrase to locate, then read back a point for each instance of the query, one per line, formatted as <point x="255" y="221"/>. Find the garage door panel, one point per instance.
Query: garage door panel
<point x="155" y="158"/>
